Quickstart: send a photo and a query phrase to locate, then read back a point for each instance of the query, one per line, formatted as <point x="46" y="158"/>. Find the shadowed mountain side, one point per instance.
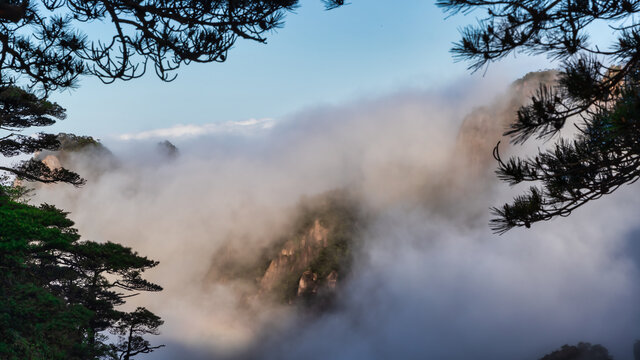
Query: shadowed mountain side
<point x="472" y="166"/>
<point x="484" y="126"/>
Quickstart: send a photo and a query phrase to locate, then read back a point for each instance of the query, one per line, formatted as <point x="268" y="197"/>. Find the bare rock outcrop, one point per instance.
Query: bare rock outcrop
<point x="484" y="126"/>
<point x="295" y="256"/>
<point x="471" y="168"/>
<point x="308" y="284"/>
<point x="303" y="263"/>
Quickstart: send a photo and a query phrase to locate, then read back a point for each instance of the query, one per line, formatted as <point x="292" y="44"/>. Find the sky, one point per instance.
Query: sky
<point x="363" y="50"/>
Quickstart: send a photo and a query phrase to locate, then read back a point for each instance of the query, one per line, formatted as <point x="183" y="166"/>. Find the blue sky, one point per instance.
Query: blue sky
<point x="365" y="49"/>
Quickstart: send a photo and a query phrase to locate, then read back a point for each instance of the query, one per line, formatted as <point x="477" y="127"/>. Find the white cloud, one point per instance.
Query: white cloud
<point x="192" y="130"/>
<point x="430" y="281"/>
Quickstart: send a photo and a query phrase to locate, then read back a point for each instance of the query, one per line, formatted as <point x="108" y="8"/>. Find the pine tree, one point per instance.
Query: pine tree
<point x="131" y="328"/>
<point x="35" y="322"/>
<point x="598" y="88"/>
<point x="59" y="295"/>
<point x="20" y="110"/>
<point x="42" y="50"/>
<point x="108" y="273"/>
<point x="41" y="41"/>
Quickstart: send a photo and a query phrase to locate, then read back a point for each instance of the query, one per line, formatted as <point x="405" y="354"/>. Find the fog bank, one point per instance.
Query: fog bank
<point x="430" y="281"/>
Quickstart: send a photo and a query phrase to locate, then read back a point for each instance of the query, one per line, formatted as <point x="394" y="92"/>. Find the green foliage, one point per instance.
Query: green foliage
<point x="22" y="109"/>
<point x="130" y="328"/>
<point x="336" y="211"/>
<point x="336" y="256"/>
<point x="582" y="351"/>
<point x="286" y="289"/>
<point x="555" y="28"/>
<point x="19" y="110"/>
<point x="598" y="88"/>
<point x="342" y="216"/>
<point x="58" y="293"/>
<point x="35" y="324"/>
<point x="72" y="142"/>
<point x="601" y="158"/>
<point x="14" y="192"/>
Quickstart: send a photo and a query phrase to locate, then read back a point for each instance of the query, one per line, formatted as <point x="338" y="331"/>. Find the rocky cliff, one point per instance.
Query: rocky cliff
<point x="90" y="155"/>
<point x="306" y="263"/>
<point x="471" y="166"/>
<point x="79" y="151"/>
<point x="483" y="127"/>
<point x="309" y="262"/>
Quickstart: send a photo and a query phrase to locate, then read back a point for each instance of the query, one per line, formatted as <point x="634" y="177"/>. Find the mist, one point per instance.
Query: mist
<point x="429" y="281"/>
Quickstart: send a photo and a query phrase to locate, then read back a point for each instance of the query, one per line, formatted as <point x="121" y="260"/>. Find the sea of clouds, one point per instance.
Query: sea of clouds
<point x="430" y="282"/>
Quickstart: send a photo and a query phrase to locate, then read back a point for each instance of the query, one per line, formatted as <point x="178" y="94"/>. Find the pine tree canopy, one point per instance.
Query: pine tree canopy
<point x="59" y="294"/>
<point x="597" y="90"/>
<point x="42" y="42"/>
<point x="42" y="49"/>
<point x="19" y="110"/>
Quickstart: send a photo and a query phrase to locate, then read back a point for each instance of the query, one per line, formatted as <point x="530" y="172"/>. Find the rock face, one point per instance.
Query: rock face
<point x="307" y="266"/>
<point x="295" y="256"/>
<point x="76" y="151"/>
<point x="309" y="262"/>
<point x="483" y="127"/>
<point x="52" y="162"/>
<point x="308" y="284"/>
<point x="86" y="153"/>
<point x="332" y="280"/>
<point x="303" y="265"/>
<point x="167" y="149"/>
<point x="479" y="133"/>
